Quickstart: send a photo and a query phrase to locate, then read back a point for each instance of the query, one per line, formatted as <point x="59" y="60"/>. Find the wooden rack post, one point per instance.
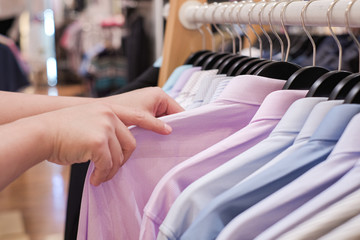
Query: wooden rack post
<point x="179" y="42"/>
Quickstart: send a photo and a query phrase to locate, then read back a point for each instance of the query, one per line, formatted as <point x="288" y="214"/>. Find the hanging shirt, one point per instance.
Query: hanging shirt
<point x="349" y="230"/>
<point x="219" y="89"/>
<point x="203" y="81"/>
<point x="178" y="178"/>
<point x="204" y="88"/>
<point x="212" y="89"/>
<point x="340" y="175"/>
<point x="312" y="123"/>
<point x="192" y="84"/>
<point x="120" y="201"/>
<point x="189" y="203"/>
<point x="262" y="215"/>
<point x="169" y="84"/>
<point x="328" y="219"/>
<point x="183" y="79"/>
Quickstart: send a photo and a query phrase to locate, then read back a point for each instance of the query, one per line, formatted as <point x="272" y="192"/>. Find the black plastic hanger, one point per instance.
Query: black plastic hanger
<point x="202" y="58"/>
<point x="327" y="83"/>
<point x="237" y="65"/>
<point x="256" y="67"/>
<point x="351" y="84"/>
<point x="224" y="60"/>
<point x="354" y="95"/>
<point x="343" y="88"/>
<point x="221" y="60"/>
<point x="211" y="60"/>
<point x="278" y="70"/>
<point x="247" y="66"/>
<point x="305" y="77"/>
<point x="323" y="86"/>
<point x="226" y="65"/>
<point x="193" y="57"/>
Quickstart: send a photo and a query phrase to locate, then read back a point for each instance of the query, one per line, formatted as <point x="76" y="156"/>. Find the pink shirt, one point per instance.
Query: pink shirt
<point x="114" y="209"/>
<point x="178" y="178"/>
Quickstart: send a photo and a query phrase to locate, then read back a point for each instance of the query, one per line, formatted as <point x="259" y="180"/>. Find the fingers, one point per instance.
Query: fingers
<point x="117" y="156"/>
<point x="141" y="119"/>
<point x="120" y="146"/>
<point x="153" y="124"/>
<point x="172" y="106"/>
<point x="103" y="165"/>
<point x="126" y="141"/>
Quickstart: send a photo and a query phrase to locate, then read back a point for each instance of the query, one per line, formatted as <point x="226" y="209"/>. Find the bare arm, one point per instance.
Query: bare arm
<point x="14" y="106"/>
<point x="96" y="131"/>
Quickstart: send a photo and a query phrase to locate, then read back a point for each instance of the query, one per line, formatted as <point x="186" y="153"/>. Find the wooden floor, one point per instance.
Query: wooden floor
<point x="33" y="207"/>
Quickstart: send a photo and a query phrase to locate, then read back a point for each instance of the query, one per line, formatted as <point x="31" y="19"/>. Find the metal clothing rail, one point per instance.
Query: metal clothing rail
<point x="193" y="12"/>
<point x="182" y="37"/>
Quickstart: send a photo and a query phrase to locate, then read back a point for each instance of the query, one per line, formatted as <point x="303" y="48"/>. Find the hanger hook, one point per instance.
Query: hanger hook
<point x="252" y="28"/>
<point x="262" y="27"/>
<point x="217" y="5"/>
<point x="347" y="18"/>
<point x="242" y="28"/>
<point x="198" y="27"/>
<point x="233" y="5"/>
<point x="206" y="6"/>
<point x="228" y="29"/>
<point x="329" y="15"/>
<point x="282" y="13"/>
<point x="270" y="15"/>
<point x="303" y="10"/>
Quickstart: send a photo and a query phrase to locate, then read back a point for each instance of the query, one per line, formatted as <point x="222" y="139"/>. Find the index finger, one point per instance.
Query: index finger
<point x="170" y="107"/>
<point x="142" y="119"/>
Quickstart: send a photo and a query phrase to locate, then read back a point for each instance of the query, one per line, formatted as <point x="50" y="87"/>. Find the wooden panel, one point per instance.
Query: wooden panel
<point x="179" y="42"/>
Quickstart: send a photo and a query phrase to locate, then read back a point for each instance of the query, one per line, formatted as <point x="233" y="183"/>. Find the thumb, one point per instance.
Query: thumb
<point x="142" y="119"/>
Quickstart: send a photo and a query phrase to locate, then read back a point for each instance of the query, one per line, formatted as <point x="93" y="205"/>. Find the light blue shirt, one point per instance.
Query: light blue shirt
<point x="246" y="194"/>
<point x="340" y="175"/>
<point x="174" y="77"/>
<point x="192" y="199"/>
<point x="158" y="62"/>
<point x="312" y="123"/>
<point x="221" y="210"/>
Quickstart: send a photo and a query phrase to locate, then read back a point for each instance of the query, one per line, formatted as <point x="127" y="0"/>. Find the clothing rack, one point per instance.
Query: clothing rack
<point x="182" y="37"/>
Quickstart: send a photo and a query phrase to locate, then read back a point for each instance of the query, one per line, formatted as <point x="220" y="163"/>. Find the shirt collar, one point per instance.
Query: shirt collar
<point x="335" y="122"/>
<point x="349" y="141"/>
<point x="249" y="89"/>
<point x="277" y="103"/>
<point x="316" y="115"/>
<point x="296" y="115"/>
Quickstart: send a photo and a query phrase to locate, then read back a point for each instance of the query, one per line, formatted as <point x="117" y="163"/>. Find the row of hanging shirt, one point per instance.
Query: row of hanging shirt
<point x="252" y="157"/>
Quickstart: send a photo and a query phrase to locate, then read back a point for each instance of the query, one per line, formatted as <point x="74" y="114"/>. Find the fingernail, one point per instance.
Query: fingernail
<point x="168" y="128"/>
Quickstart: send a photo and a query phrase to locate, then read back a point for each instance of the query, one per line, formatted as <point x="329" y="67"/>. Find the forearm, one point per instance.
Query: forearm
<point x="14" y="106"/>
<point x="23" y="144"/>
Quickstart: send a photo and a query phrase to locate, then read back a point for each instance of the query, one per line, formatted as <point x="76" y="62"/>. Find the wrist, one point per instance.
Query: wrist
<point x="37" y="137"/>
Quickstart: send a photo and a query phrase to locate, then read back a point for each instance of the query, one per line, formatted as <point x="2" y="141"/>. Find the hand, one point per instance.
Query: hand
<point x="68" y="130"/>
<point x="152" y="100"/>
<point x="96" y="132"/>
